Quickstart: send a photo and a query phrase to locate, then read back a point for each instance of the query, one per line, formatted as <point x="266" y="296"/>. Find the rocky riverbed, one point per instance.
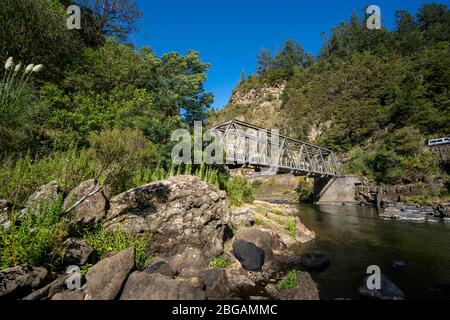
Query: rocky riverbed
<point x="193" y="226"/>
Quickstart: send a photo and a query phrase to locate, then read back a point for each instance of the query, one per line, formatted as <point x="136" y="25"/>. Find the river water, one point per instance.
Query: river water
<point x="355" y="238"/>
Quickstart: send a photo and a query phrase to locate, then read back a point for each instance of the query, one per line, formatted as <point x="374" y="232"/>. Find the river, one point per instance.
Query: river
<point x="355" y="238"/>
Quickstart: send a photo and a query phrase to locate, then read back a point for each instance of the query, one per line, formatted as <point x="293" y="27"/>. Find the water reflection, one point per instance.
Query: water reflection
<point x="355" y="238"/>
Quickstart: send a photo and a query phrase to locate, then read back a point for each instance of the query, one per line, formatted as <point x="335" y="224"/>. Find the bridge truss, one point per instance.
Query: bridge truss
<point x="252" y="146"/>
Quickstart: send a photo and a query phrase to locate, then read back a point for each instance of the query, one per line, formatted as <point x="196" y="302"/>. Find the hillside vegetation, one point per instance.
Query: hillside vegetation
<point x="373" y="96"/>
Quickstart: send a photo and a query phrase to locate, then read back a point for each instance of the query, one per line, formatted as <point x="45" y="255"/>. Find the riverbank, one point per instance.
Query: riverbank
<point x="172" y="239"/>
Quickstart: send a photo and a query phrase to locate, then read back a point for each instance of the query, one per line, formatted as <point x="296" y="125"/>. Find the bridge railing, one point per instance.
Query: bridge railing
<point x="247" y="144"/>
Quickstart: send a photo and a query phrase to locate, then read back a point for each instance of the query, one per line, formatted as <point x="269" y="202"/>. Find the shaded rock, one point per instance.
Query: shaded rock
<point x="249" y="255"/>
<point x="306" y="289"/>
<point x="388" y="291"/>
<point x="17" y="282"/>
<point x="92" y="209"/>
<point x="52" y="290"/>
<point x="148" y="286"/>
<point x="315" y="262"/>
<point x="189" y="262"/>
<point x="183" y="211"/>
<point x="444" y="210"/>
<point x="106" y="278"/>
<point x="265" y="240"/>
<point x="398" y="265"/>
<point x="216" y="282"/>
<point x="76" y="252"/>
<point x="161" y="266"/>
<point x="242" y="217"/>
<point x="47" y="192"/>
<point x="245" y="283"/>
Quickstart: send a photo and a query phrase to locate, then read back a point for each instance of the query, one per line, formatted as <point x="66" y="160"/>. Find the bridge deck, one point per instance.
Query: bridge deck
<point x="247" y="144"/>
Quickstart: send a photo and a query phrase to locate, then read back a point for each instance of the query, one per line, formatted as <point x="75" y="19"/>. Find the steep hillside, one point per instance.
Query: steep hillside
<point x="370" y="100"/>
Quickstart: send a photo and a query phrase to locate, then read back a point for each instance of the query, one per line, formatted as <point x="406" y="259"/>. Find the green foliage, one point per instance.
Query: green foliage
<point x="119" y="153"/>
<point x="36" y="239"/>
<point x="18" y="110"/>
<point x="289" y="282"/>
<point x="406" y="141"/>
<point x="19" y="178"/>
<point x="305" y="190"/>
<point x="291" y="226"/>
<point x="219" y="263"/>
<point x="239" y="191"/>
<point x="35" y="30"/>
<point x="115" y="241"/>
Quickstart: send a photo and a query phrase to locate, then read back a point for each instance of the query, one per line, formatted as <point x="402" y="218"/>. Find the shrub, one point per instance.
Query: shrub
<point x="19" y="178"/>
<point x="115" y="241"/>
<point x="305" y="190"/>
<point x="239" y="191"/>
<point x="118" y="153"/>
<point x="17" y="107"/>
<point x="289" y="282"/>
<point x="36" y="239"/>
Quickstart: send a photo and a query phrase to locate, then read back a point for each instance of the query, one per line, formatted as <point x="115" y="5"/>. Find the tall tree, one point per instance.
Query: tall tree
<point x="292" y="55"/>
<point x="265" y="62"/>
<point x="116" y="18"/>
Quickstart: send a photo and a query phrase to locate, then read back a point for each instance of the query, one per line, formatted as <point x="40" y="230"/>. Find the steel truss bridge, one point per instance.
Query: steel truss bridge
<point x="263" y="149"/>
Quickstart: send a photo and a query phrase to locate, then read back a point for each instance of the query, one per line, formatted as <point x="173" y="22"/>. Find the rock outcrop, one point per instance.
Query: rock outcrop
<point x="47" y="192"/>
<point x="93" y="207"/>
<point x="19" y="281"/>
<point x="105" y="280"/>
<point x="76" y="252"/>
<point x="154" y="286"/>
<point x="182" y="212"/>
<point x="306" y="289"/>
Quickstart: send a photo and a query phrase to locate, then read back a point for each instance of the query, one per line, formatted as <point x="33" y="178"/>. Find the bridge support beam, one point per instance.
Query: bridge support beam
<point x="335" y="190"/>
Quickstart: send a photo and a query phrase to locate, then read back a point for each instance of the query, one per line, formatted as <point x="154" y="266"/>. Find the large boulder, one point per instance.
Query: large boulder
<point x="182" y="212"/>
<point x="306" y="289"/>
<point x="17" y="282"/>
<point x="142" y="285"/>
<point x="242" y="216"/>
<point x="249" y="255"/>
<point x="216" y="283"/>
<point x="106" y="278"/>
<point x="47" y="192"/>
<point x="92" y="209"/>
<point x="268" y="241"/>
<point x="190" y="262"/>
<point x="76" y="252"/>
<point x="388" y="290"/>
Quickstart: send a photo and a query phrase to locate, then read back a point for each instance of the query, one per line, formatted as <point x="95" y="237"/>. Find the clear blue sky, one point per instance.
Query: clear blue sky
<point x="229" y="33"/>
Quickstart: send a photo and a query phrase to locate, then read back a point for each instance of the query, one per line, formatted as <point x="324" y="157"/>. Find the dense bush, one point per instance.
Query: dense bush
<point x="37" y="239"/>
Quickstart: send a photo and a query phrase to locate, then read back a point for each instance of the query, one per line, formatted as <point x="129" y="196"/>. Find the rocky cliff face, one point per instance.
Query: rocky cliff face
<point x="260" y="106"/>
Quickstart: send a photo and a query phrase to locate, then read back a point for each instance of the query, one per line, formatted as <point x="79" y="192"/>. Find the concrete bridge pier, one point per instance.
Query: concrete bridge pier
<point x="335" y="190"/>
